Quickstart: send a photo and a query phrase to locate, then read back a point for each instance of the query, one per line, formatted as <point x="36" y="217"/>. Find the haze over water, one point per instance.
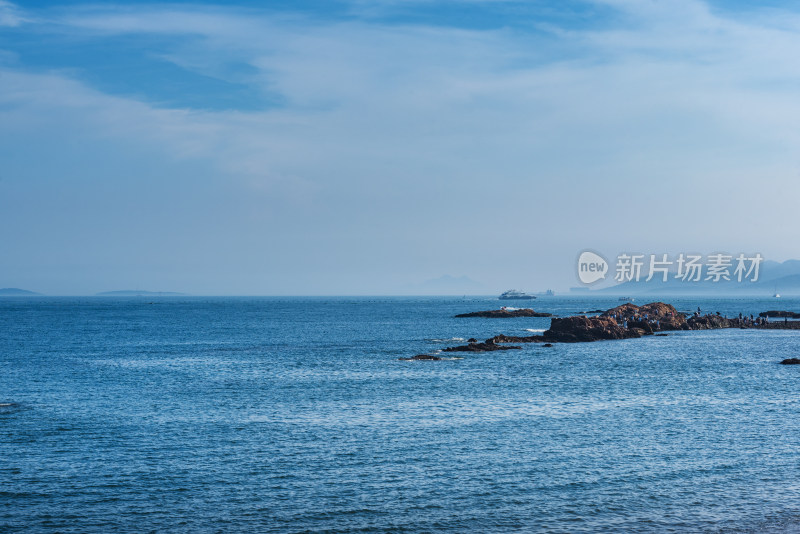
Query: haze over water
<point x="294" y="415"/>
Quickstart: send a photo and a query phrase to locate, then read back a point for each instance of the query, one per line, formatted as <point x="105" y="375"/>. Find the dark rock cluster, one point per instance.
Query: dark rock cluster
<point x="582" y="328"/>
<point x="780" y="313"/>
<point x="708" y="322"/>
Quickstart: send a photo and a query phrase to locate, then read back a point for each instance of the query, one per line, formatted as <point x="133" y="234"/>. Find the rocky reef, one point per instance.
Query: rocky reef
<point x="582" y="328"/>
<point x="780" y="313"/>
<point x="709" y="322"/>
<point x="627" y="321"/>
<point x="780" y="325"/>
<point x="487" y="346"/>
<point x="623" y="322"/>
<point x="504" y="313"/>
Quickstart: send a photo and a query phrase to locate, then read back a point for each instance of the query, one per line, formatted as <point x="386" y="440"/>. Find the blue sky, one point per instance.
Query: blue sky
<point x="366" y="147"/>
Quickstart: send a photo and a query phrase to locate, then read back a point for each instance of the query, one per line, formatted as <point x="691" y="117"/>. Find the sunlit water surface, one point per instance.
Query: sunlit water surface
<point x="295" y="415"/>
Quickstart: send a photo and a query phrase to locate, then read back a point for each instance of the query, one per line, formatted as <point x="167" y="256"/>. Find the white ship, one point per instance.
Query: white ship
<point x="513" y="294"/>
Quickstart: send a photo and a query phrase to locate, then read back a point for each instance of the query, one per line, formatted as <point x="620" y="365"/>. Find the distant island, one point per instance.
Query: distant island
<point x="16" y="292"/>
<point x="137" y="293"/>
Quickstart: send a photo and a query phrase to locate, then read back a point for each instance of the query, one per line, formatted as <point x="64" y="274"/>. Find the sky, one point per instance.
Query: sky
<point x="369" y="147"/>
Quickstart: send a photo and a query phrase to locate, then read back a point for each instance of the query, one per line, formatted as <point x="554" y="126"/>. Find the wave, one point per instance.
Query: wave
<point x="448" y="340"/>
<point x="536" y="330"/>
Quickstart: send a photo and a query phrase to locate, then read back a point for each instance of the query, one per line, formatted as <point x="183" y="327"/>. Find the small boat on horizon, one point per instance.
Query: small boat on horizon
<point x="626" y="299"/>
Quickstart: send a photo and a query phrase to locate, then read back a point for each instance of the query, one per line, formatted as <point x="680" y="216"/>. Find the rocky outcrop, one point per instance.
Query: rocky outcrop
<point x="623" y="322"/>
<point x="625" y="310"/>
<point x="655" y="316"/>
<point x="581" y="328"/>
<point x="708" y="322"/>
<point x="504" y="314"/>
<point x="791" y="361"/>
<point x="642" y="327"/>
<point x="487" y="346"/>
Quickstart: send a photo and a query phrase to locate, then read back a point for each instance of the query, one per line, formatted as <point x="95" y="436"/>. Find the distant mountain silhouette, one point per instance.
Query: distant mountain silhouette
<point x="16" y="292"/>
<point x="137" y="293"/>
<point x="783" y="277"/>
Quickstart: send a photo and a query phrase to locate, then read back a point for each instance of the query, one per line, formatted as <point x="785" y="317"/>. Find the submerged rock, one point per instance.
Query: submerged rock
<point x="420" y="357"/>
<point x="505" y="314"/>
<point x="502" y="338"/>
<point x="487" y="346"/>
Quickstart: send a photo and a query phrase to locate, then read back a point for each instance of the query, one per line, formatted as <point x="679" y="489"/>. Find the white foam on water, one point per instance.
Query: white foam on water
<point x="535" y="330"/>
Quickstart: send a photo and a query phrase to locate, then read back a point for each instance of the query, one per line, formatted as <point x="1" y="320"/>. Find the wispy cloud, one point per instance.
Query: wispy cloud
<point x="10" y="14"/>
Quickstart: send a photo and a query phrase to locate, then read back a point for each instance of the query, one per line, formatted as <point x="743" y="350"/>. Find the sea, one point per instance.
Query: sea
<point x="290" y="415"/>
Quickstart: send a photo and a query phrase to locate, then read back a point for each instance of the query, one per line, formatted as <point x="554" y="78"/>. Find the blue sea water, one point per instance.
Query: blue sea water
<point x="295" y="415"/>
